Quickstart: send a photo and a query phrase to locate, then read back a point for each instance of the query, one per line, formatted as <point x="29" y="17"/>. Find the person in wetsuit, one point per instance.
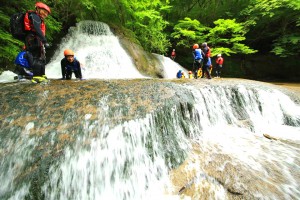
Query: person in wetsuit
<point x="69" y="65"/>
<point x="35" y="40"/>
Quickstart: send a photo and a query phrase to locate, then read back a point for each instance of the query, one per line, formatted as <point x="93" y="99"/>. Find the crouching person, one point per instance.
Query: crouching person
<point x="69" y="65"/>
<point x="23" y="62"/>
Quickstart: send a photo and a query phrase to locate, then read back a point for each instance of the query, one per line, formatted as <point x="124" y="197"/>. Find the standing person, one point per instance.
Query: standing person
<point x="173" y="54"/>
<point x="70" y="64"/>
<point x="35" y="40"/>
<point x="206" y="69"/>
<point x="219" y="65"/>
<point x="206" y="51"/>
<point x="206" y="58"/>
<point x="198" y="57"/>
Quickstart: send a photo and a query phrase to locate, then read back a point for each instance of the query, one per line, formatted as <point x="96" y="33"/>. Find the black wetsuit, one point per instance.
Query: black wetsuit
<point x="34" y="41"/>
<point x="67" y="68"/>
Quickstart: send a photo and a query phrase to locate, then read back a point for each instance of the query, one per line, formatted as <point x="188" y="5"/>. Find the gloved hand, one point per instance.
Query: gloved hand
<point x="47" y="45"/>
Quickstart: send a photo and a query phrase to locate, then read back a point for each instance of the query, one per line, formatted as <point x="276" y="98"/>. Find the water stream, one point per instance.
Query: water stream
<point x="145" y="138"/>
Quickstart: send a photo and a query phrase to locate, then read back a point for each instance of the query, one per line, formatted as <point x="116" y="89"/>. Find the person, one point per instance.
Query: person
<point x="191" y="75"/>
<point x="70" y="64"/>
<point x="219" y="65"/>
<point x="206" y="60"/>
<point x="198" y="57"/>
<point x="206" y="69"/>
<point x="35" y="40"/>
<point x="206" y="51"/>
<point x="173" y="54"/>
<point x="179" y="74"/>
<point x="182" y="74"/>
<point x="23" y="63"/>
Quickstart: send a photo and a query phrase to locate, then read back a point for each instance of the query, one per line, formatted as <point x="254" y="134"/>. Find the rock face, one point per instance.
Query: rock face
<point x="50" y="135"/>
<point x="144" y="61"/>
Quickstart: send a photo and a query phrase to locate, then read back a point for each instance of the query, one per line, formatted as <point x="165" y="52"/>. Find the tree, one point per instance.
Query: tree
<point x="189" y="31"/>
<point x="275" y="24"/>
<point x="225" y="37"/>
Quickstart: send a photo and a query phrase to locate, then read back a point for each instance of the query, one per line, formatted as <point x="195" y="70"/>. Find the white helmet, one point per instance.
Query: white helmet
<point x="219" y="55"/>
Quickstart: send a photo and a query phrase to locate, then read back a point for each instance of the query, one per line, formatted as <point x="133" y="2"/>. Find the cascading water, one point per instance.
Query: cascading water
<point x="113" y="144"/>
<point x="170" y="68"/>
<point x="144" y="139"/>
<point x="98" y="50"/>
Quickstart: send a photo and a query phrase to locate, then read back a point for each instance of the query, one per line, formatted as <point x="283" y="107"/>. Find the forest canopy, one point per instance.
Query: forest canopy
<point x="230" y="27"/>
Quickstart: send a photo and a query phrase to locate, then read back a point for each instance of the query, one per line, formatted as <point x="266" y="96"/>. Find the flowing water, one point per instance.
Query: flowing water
<point x="147" y="138"/>
<point x="98" y="50"/>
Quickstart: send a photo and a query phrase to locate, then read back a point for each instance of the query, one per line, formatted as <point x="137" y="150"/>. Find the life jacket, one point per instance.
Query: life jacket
<point x="28" y="25"/>
<point x="220" y="61"/>
<point x="21" y="60"/>
<point x="207" y="51"/>
<point x="179" y="74"/>
<point x="197" y="54"/>
<point x="173" y="53"/>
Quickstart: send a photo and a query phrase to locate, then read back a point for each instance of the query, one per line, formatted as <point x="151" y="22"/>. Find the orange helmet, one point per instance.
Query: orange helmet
<point x="68" y="52"/>
<point x="196" y="46"/>
<point x="43" y="6"/>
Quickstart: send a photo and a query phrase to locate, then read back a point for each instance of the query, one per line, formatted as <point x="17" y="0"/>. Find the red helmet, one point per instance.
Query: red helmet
<point x="43" y="6"/>
<point x="196" y="46"/>
<point x="68" y="52"/>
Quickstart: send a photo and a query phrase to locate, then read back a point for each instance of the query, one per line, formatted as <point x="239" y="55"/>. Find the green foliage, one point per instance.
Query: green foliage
<point x="275" y="23"/>
<point x="224" y="37"/>
<point x="188" y="31"/>
<point x="287" y="45"/>
<point x="144" y="18"/>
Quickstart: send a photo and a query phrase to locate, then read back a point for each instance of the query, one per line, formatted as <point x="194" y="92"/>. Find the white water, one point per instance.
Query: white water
<point x="100" y="54"/>
<point x="114" y="162"/>
<point x="170" y="67"/>
<point x="94" y="169"/>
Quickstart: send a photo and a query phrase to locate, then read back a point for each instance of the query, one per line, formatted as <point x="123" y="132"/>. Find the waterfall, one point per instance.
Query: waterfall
<point x="170" y="68"/>
<point x="144" y="138"/>
<point x="202" y="140"/>
<point x="99" y="52"/>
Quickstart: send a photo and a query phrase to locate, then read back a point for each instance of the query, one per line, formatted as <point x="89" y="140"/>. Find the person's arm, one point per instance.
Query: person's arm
<point x="63" y="68"/>
<point x="79" y="70"/>
<point x="36" y="21"/>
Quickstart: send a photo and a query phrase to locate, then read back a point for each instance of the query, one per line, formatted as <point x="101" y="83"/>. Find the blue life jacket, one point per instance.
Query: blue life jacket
<point x="21" y="60"/>
<point x="179" y="74"/>
<point x="197" y="54"/>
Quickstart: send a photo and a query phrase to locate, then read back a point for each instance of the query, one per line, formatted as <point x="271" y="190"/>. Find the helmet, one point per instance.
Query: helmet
<point x="68" y="52"/>
<point x="190" y="72"/>
<point x="204" y="44"/>
<point x="219" y="55"/>
<point x="43" y="6"/>
<point x="196" y="46"/>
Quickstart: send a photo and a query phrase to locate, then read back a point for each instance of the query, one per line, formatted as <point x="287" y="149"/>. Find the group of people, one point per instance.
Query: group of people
<point x="202" y="64"/>
<point x="31" y="61"/>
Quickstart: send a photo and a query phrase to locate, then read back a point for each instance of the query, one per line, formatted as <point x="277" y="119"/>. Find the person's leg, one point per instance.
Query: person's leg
<point x="220" y="70"/>
<point x="35" y="55"/>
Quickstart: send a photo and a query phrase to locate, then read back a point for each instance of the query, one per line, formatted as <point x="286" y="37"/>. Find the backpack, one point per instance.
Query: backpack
<point x="17" y="26"/>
